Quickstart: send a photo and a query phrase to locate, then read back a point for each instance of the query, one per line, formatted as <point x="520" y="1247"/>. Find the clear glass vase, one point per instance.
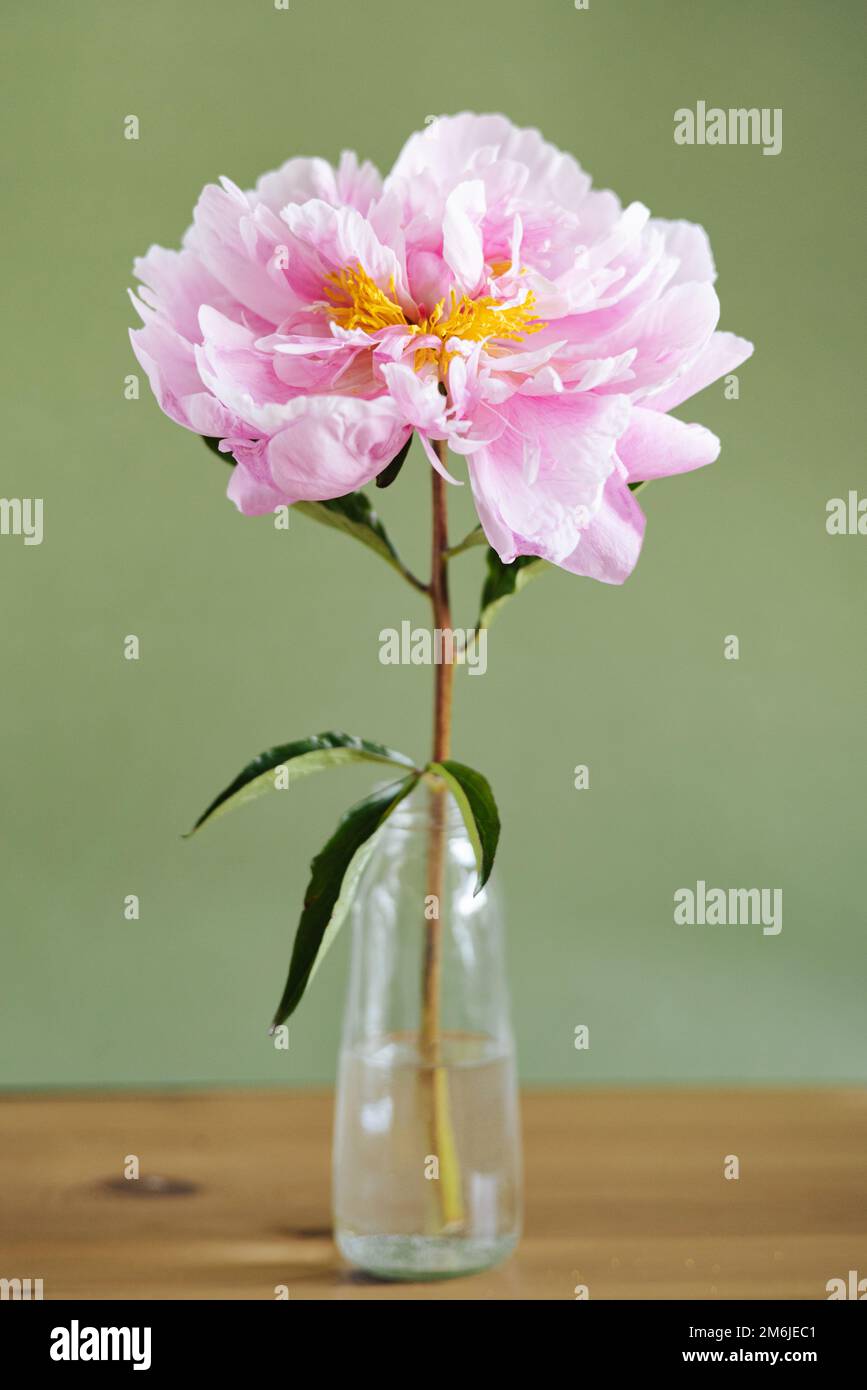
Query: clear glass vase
<point x="427" y="1162"/>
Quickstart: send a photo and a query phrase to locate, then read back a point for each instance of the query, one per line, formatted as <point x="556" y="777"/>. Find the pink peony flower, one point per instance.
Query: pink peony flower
<point x="483" y="295"/>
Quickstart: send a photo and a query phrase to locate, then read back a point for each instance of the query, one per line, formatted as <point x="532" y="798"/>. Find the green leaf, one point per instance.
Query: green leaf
<point x="391" y="470"/>
<point x="634" y="487"/>
<point x="352" y="514"/>
<point x="503" y="581"/>
<point x="334" y="875"/>
<point x="476" y="802"/>
<point x="300" y="758"/>
<point x="471" y="539"/>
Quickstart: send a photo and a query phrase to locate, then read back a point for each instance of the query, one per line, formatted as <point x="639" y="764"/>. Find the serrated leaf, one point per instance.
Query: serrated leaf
<point x="334" y="875"/>
<point x="300" y="758"/>
<point x="503" y="581"/>
<point x="478" y="808"/>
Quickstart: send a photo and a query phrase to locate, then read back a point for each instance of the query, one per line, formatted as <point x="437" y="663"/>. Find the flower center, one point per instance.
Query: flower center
<point x="356" y="301"/>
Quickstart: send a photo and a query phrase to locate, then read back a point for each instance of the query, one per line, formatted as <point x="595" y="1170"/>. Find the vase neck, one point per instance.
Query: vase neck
<point x="423" y="809"/>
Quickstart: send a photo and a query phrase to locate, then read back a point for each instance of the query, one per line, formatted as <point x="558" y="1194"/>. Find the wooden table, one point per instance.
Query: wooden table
<point x="625" y="1194"/>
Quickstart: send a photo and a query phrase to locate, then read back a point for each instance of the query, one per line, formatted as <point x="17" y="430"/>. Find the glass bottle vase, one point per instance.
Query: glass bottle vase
<point x="427" y="1163"/>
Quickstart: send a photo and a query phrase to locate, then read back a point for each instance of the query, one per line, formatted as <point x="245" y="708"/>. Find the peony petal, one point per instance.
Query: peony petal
<point x="250" y="496"/>
<point x="434" y="460"/>
<point x="609" y="547"/>
<point x="331" y="445"/>
<point x="451" y="147"/>
<point x="668" y="335"/>
<point x="169" y="362"/>
<point x="655" y="446"/>
<point x="623" y="234"/>
<point x="177" y="285"/>
<point x="417" y="399"/>
<point x="541" y="480"/>
<point x="219" y="239"/>
<point x="690" y="245"/>
<point x="351" y="184"/>
<point x="722" y="354"/>
<point x="239" y="374"/>
<point x="324" y="240"/>
<point x="462" y="240"/>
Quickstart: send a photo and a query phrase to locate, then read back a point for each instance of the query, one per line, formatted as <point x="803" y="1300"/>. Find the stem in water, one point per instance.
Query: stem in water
<point x="442" y="1139"/>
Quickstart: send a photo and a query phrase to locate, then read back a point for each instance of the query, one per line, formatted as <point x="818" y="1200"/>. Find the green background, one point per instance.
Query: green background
<point x="747" y="773"/>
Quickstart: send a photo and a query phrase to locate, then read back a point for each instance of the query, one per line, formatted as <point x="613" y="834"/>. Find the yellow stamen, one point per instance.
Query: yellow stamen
<point x="475" y="320"/>
<point x="356" y="301"/>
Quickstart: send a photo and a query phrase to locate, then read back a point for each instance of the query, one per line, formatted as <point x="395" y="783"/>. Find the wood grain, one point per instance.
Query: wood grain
<point x="625" y="1193"/>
